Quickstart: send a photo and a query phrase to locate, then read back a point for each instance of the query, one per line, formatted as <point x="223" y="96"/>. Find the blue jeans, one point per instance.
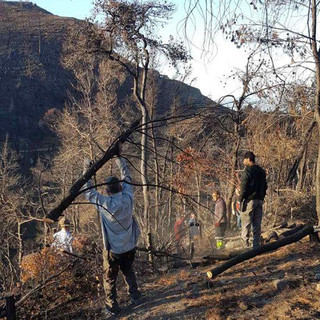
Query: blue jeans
<point x="252" y="216"/>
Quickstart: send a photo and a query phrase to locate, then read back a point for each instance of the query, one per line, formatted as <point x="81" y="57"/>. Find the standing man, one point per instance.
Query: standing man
<point x="220" y="218"/>
<point x="120" y="234"/>
<point x="252" y="193"/>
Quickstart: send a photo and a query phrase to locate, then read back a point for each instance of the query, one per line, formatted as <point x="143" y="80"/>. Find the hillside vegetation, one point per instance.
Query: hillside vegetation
<point x="77" y="95"/>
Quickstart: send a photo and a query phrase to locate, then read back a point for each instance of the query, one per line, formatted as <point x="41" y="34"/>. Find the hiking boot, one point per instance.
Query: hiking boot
<point x="111" y="312"/>
<point x="246" y="244"/>
<point x="136" y="301"/>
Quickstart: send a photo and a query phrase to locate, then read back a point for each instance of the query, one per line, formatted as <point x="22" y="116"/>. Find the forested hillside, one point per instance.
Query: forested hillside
<point x="34" y="78"/>
<point x="96" y="145"/>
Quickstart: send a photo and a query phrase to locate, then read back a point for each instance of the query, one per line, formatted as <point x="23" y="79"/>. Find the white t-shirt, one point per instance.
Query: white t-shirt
<point x="63" y="240"/>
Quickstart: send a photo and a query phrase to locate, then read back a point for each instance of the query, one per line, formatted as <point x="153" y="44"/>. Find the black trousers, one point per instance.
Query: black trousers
<point x="220" y="231"/>
<point x="112" y="262"/>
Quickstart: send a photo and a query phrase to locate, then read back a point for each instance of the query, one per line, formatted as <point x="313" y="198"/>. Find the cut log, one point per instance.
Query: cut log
<point x="305" y="231"/>
<point x="74" y="191"/>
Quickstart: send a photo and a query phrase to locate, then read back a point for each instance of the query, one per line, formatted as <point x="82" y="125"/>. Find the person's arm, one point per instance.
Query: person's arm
<point x="125" y="175"/>
<point x="92" y="194"/>
<point x="265" y="183"/>
<point x="244" y="185"/>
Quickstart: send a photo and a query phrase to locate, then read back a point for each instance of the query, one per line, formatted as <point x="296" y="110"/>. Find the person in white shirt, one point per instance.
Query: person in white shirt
<point x="63" y="239"/>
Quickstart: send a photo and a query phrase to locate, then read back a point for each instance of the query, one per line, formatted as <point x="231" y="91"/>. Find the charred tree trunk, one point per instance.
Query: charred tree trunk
<point x="171" y="192"/>
<point x="232" y="175"/>
<point x="302" y="171"/>
<point x="304" y="144"/>
<point x="315" y="52"/>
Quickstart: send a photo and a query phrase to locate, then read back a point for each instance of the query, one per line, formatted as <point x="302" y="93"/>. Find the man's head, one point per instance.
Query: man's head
<point x="113" y="185"/>
<point x="249" y="158"/>
<point x="64" y="223"/>
<point x="216" y="195"/>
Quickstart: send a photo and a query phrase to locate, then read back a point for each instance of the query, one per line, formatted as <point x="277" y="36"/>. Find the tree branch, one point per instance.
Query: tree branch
<point x="55" y="213"/>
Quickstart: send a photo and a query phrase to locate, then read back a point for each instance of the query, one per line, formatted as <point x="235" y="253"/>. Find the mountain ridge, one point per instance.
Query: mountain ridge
<point x="33" y="79"/>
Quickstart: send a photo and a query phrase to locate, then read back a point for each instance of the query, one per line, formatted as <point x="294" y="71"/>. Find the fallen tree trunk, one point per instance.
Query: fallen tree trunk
<point x="74" y="191"/>
<point x="223" y="255"/>
<point x="305" y="231"/>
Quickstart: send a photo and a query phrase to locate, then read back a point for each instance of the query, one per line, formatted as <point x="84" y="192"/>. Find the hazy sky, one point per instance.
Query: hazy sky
<point x="208" y="75"/>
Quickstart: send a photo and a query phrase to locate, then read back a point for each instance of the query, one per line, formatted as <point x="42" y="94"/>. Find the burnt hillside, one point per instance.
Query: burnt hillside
<point x="33" y="80"/>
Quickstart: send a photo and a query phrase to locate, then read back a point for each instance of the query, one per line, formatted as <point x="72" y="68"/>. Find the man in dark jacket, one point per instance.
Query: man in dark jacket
<point x="252" y="193"/>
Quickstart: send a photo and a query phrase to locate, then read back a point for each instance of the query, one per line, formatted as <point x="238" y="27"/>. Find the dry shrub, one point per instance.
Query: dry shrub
<point x="39" y="265"/>
<point x="67" y="281"/>
<point x="291" y="205"/>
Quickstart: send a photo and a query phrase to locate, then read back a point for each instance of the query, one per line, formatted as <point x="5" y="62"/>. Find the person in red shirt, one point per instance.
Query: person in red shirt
<point x="179" y="232"/>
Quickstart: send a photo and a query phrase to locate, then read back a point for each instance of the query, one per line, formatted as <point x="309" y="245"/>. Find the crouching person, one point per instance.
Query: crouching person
<point x="120" y="234"/>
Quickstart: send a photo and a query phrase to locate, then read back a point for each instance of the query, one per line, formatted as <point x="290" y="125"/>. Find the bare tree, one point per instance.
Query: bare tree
<point x="128" y="37"/>
<point x="274" y="27"/>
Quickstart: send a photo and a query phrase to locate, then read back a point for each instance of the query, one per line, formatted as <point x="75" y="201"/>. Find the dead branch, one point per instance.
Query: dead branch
<point x="158" y="253"/>
<point x="55" y="213"/>
<point x="73" y="255"/>
<point x="306" y="230"/>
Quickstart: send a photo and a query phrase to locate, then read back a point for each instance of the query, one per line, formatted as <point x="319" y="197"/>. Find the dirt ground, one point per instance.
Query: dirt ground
<point x="277" y="285"/>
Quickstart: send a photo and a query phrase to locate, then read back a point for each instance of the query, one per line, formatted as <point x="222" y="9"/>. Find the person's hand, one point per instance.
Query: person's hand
<point x="233" y="212"/>
<point x="86" y="164"/>
<point x="118" y="149"/>
<point x="217" y="224"/>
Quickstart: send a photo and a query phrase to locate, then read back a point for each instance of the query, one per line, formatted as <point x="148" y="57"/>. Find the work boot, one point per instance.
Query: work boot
<point x="111" y="312"/>
<point x="246" y="243"/>
<point x="135" y="301"/>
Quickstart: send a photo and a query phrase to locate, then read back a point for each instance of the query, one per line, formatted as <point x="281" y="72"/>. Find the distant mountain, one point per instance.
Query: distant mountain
<point x="32" y="79"/>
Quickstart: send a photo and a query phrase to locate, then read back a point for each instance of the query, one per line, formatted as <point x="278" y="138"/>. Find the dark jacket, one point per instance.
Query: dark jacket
<point x="253" y="183"/>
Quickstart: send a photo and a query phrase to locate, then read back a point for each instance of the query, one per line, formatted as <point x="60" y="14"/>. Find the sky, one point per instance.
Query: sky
<point x="207" y="74"/>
